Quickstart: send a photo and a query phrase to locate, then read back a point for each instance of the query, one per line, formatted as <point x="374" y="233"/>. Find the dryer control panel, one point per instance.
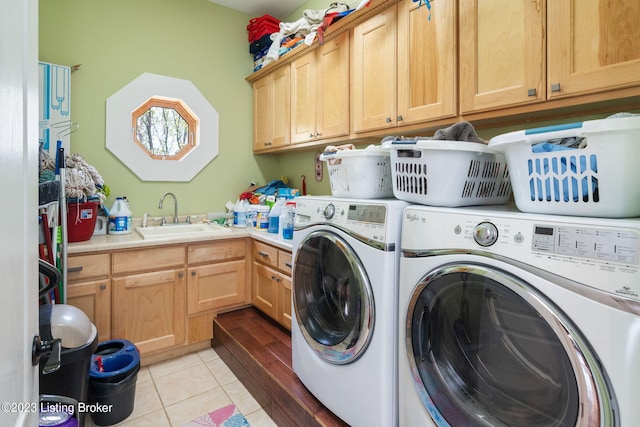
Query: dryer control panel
<point x="602" y="253"/>
<point x="620" y="246"/>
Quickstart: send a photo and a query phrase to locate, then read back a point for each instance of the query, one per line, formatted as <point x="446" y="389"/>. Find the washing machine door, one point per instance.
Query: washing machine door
<point x="332" y="295"/>
<point x="486" y="349"/>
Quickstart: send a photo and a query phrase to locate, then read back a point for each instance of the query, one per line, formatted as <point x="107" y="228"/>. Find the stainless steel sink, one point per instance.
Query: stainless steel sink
<point x="181" y="230"/>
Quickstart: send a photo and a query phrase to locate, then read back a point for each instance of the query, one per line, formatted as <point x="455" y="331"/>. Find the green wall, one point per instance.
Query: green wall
<point x="196" y="40"/>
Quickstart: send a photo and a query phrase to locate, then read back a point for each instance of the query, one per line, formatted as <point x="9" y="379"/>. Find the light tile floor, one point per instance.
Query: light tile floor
<point x="173" y="392"/>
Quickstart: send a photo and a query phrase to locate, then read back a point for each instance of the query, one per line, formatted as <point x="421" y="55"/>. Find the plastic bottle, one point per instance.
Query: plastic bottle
<point x="240" y="214"/>
<point x="274" y="216"/>
<point x="130" y="221"/>
<point x="119" y="218"/>
<point x="252" y="215"/>
<point x="262" y="222"/>
<point x="288" y="219"/>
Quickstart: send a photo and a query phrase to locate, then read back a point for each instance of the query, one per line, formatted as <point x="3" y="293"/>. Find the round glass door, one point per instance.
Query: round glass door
<point x="332" y="297"/>
<point x="492" y="351"/>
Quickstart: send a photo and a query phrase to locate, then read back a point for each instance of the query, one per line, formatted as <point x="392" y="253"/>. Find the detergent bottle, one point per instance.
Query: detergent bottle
<point x="119" y="218"/>
<point x="274" y="216"/>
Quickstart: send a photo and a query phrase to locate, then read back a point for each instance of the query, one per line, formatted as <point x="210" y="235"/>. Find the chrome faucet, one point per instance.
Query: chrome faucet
<point x="175" y="207"/>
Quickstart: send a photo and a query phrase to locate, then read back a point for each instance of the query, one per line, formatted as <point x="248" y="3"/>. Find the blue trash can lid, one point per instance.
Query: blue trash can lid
<point x="111" y="364"/>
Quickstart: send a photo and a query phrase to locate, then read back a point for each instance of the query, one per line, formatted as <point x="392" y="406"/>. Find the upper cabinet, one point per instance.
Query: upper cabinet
<point x="593" y="46"/>
<point x="404" y="66"/>
<point x="320" y="92"/>
<point x="272" y="110"/>
<point x="516" y="52"/>
<point x="502" y="53"/>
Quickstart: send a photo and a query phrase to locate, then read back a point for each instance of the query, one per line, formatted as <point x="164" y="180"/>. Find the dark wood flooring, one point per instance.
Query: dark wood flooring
<point x="258" y="351"/>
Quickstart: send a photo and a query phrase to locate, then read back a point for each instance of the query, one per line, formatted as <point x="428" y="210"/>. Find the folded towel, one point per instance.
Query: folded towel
<point x="461" y="131"/>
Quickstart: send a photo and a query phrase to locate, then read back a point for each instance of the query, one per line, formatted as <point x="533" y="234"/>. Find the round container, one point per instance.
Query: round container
<point x="262" y="220"/>
<point x="120" y="218"/>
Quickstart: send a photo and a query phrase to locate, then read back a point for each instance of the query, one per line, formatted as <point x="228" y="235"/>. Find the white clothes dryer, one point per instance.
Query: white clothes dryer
<point x="345" y="296"/>
<point x="515" y="319"/>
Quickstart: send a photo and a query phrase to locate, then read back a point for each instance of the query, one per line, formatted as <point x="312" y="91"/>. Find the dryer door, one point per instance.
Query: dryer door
<point x="487" y="349"/>
<point x="332" y="295"/>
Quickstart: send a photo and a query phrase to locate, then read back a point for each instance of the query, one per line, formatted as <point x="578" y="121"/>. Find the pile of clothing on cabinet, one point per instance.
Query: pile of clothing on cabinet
<point x="313" y="23"/>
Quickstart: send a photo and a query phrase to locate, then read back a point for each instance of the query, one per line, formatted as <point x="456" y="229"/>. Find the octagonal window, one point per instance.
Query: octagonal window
<point x="165" y="128"/>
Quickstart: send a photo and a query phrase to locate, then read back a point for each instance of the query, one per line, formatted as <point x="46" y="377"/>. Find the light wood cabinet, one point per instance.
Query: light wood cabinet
<point x="217" y="279"/>
<point x="320" y="92"/>
<point x="502" y="53"/>
<point x="592" y="46"/>
<point x="272" y="110"/>
<point x="149" y="297"/>
<point x="272" y="282"/>
<point x="151" y="309"/>
<point x="373" y="78"/>
<point x="89" y="289"/>
<point x="516" y="53"/>
<point x="404" y="67"/>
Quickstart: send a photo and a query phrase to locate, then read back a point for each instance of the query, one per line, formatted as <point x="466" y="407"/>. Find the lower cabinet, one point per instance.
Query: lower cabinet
<point x="164" y="298"/>
<point x="272" y="282"/>
<point x="89" y="289"/>
<point x="217" y="279"/>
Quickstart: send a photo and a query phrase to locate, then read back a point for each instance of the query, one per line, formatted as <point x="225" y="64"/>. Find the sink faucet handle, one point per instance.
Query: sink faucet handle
<point x="188" y="219"/>
<point x="145" y="217"/>
<point x="164" y="221"/>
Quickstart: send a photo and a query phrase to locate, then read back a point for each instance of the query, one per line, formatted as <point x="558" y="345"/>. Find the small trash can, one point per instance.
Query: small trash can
<point x="79" y="339"/>
<point x="112" y="387"/>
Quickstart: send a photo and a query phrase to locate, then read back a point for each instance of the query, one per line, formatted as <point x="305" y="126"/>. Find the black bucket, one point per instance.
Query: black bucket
<point x="112" y="389"/>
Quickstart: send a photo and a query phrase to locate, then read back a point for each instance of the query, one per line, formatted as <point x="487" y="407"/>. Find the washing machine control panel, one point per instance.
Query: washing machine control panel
<point x="368" y="220"/>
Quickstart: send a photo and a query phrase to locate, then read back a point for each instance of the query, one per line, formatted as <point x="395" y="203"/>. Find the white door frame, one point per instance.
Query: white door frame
<point x="19" y="217"/>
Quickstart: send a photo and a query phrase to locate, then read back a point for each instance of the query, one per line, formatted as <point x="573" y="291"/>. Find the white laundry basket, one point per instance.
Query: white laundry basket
<point x="448" y="173"/>
<point x="601" y="179"/>
<point x="359" y="174"/>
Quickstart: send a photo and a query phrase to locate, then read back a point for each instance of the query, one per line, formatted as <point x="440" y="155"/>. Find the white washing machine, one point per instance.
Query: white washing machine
<point x="345" y="295"/>
<point x="514" y="319"/>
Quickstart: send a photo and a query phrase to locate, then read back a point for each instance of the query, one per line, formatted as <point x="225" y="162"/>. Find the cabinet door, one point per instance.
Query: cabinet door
<point x="373" y="79"/>
<point x="280" y="108"/>
<point x="265" y="291"/>
<point x="216" y="286"/>
<point x="502" y="53"/>
<point x="149" y="309"/>
<point x="303" y="98"/>
<point x="427" y="68"/>
<point x="284" y="301"/>
<point x="593" y="46"/>
<point x="261" y="113"/>
<point x="332" y="93"/>
<point x="94" y="299"/>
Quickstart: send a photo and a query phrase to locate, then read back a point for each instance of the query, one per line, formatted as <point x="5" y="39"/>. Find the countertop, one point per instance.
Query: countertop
<point x="110" y="242"/>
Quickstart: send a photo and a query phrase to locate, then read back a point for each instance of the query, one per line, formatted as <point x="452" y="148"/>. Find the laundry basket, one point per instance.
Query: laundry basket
<point x="599" y="178"/>
<point x="448" y="173"/>
<point x="359" y="174"/>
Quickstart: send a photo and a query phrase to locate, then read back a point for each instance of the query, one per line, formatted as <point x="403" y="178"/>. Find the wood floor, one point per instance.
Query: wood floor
<point x="258" y="351"/>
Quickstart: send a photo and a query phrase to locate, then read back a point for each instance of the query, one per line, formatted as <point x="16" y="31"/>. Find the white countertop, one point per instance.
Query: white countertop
<point x="109" y="242"/>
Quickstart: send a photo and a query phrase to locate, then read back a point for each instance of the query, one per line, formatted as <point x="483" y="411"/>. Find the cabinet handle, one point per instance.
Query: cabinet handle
<point x="318" y="134"/>
<point x="273" y="277"/>
<point x="268" y="143"/>
<point x="103" y="287"/>
<point x="74" y="269"/>
<point x="555" y="87"/>
<point x="288" y="264"/>
<point x="181" y="274"/>
<point x="263" y="254"/>
<point x="193" y="273"/>
<point x="532" y="92"/>
<point x="388" y="120"/>
<point x="400" y="118"/>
